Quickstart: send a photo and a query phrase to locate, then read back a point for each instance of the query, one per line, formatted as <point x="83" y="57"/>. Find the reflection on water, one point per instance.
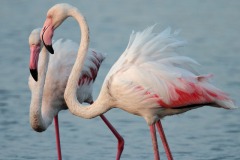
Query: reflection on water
<point x="212" y="30"/>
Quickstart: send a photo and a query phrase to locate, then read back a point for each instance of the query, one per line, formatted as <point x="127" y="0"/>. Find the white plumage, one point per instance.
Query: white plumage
<point x="59" y="68"/>
<point x="150" y="74"/>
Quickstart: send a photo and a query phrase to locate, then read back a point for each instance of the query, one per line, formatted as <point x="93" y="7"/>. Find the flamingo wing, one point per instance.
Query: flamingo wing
<point x="88" y="75"/>
<point x="151" y="68"/>
<point x="60" y="66"/>
<point x="91" y="67"/>
<point x="64" y="60"/>
<point x="147" y="46"/>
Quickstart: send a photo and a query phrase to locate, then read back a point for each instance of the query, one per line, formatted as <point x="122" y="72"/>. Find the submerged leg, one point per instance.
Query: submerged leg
<point x="117" y="135"/>
<point x="164" y="140"/>
<point x="57" y="138"/>
<point x="154" y="142"/>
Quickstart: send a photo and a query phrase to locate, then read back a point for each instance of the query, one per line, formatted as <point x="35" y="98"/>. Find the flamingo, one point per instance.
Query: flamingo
<point x="149" y="79"/>
<point x="47" y="85"/>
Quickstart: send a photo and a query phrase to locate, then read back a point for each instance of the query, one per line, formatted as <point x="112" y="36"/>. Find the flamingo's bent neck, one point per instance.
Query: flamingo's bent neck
<point x="70" y="93"/>
<point x="37" y="121"/>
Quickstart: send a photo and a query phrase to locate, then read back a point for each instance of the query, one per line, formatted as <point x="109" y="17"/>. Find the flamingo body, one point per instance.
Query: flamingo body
<point x="152" y="81"/>
<point x="59" y="68"/>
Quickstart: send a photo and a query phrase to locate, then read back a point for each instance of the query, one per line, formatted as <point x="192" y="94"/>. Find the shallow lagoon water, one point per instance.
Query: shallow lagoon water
<point x="212" y="31"/>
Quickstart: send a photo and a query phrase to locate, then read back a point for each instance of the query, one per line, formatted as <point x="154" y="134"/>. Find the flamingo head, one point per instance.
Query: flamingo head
<point x="35" y="47"/>
<point x="55" y="16"/>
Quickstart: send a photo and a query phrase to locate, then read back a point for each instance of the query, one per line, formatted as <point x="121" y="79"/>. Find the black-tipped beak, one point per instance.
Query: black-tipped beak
<point x="34" y="74"/>
<point x="47" y="34"/>
<point x="49" y="48"/>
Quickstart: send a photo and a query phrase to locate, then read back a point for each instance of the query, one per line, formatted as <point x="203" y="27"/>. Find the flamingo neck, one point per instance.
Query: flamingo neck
<point x="38" y="122"/>
<point x="73" y="104"/>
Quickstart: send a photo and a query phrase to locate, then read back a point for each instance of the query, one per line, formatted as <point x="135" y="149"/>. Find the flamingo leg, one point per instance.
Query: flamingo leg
<point x="154" y="142"/>
<point x="164" y="140"/>
<point x="117" y="135"/>
<point x="57" y="138"/>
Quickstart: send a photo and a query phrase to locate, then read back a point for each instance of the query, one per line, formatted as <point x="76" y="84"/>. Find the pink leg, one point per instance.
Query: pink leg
<point x="117" y="135"/>
<point x="154" y="142"/>
<point x="164" y="140"/>
<point x="57" y="138"/>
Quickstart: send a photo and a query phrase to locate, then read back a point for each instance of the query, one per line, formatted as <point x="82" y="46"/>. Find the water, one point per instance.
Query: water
<point x="212" y="30"/>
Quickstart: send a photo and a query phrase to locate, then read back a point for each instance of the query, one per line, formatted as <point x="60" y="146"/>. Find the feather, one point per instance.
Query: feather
<point x="170" y="77"/>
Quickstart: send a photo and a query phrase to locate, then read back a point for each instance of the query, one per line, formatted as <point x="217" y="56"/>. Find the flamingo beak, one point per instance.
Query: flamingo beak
<point x="47" y="34"/>
<point x="34" y="55"/>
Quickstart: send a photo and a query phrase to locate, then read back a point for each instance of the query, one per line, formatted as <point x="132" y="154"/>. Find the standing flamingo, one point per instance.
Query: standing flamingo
<point x="148" y="80"/>
<point x="47" y="93"/>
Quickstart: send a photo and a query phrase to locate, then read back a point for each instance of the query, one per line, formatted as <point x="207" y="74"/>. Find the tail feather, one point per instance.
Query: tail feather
<point x="221" y="99"/>
<point x="227" y="104"/>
